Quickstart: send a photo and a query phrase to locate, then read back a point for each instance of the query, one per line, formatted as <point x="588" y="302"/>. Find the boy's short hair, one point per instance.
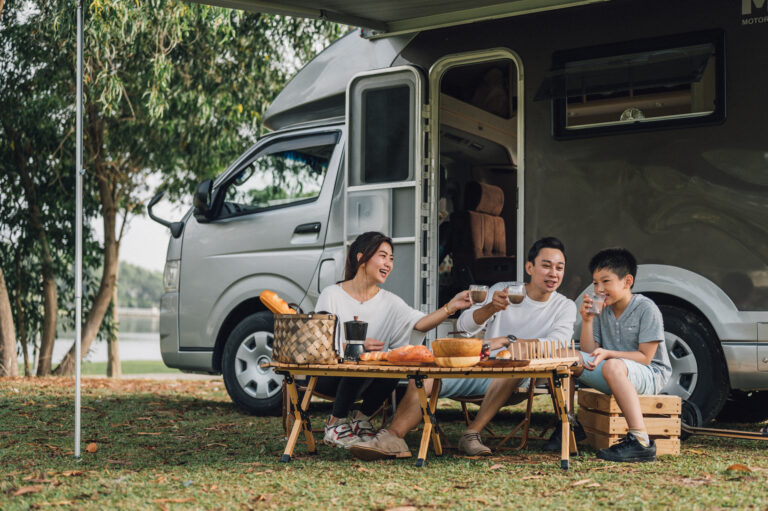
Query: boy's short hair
<point x="548" y="242"/>
<point x="619" y="260"/>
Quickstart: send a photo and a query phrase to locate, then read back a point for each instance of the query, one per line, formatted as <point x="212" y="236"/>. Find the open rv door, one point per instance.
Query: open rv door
<point x="385" y="169"/>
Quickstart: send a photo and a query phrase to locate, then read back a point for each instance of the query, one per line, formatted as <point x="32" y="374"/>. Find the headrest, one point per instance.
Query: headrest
<point x="483" y="198"/>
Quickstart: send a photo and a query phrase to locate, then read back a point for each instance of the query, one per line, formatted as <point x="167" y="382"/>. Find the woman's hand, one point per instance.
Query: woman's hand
<point x="584" y="310"/>
<point x="372" y="344"/>
<point x="598" y="355"/>
<point x="459" y="302"/>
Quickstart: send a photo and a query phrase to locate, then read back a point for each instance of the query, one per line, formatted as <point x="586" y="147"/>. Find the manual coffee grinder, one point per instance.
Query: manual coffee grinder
<point x="355" y="332"/>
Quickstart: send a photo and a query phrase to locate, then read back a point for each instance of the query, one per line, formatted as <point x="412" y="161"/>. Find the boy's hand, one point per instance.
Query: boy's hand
<point x="586" y="305"/>
<point x="499" y="301"/>
<point x="598" y="355"/>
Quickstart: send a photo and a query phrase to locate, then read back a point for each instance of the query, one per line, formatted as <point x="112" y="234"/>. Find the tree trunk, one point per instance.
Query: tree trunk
<point x="50" y="293"/>
<point x="113" y="354"/>
<point x="8" y="359"/>
<point x="108" y="277"/>
<point x="20" y="319"/>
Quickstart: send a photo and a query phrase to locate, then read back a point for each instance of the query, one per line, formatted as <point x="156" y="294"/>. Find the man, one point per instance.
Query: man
<point x="544" y="314"/>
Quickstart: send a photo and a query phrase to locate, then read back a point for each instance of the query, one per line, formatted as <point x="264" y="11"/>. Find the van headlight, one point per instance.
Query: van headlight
<point x="171" y="276"/>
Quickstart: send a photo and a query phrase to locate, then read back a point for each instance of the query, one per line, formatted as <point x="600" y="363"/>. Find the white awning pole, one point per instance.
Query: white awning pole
<point x="78" y="223"/>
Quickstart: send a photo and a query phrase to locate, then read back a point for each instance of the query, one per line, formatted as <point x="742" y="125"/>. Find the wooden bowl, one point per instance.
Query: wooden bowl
<point x="457" y="361"/>
<point x="457" y="347"/>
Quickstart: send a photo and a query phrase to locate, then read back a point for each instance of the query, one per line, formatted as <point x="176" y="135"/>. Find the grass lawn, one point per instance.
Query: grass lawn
<point x="183" y="445"/>
<point x="129" y="367"/>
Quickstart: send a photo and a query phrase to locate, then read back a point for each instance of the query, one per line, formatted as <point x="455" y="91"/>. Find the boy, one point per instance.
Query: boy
<point x="623" y="350"/>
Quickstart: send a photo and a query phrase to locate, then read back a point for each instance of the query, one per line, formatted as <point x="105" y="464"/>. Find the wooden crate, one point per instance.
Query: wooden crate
<point x="604" y="424"/>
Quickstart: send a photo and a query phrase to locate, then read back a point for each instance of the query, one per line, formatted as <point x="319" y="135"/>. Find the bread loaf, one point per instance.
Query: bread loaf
<point x="504" y="354"/>
<point x="410" y="354"/>
<point x="373" y="355"/>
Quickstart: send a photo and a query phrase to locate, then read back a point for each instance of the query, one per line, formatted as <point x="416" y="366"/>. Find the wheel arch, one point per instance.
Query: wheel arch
<point x="235" y="316"/>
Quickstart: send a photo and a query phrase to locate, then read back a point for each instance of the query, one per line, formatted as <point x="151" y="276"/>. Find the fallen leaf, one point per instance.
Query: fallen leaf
<point x="580" y="482"/>
<point x="92" y="448"/>
<point x="417" y="487"/>
<point x="482" y="501"/>
<point x="72" y="473"/>
<point x="402" y="508"/>
<point x="694" y="451"/>
<point x="153" y="433"/>
<point x="175" y="501"/>
<point x="592" y="485"/>
<point x="40" y="505"/>
<point x="363" y="469"/>
<point x="261" y="497"/>
<point x="530" y="477"/>
<point x="24" y="490"/>
<point x="494" y="467"/>
<point x="738" y="467"/>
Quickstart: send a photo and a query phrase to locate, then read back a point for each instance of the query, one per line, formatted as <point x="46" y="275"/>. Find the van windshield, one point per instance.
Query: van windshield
<point x="280" y="178"/>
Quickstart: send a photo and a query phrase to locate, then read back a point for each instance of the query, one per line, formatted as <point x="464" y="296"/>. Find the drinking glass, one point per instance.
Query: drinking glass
<point x="516" y="292"/>
<point x="598" y="300"/>
<point x="477" y="293"/>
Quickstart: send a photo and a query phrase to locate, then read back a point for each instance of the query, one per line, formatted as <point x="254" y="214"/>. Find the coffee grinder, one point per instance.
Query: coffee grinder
<point x="355" y="332"/>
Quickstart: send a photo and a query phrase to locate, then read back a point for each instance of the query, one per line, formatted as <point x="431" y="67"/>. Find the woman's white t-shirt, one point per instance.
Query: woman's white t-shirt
<point x="389" y="318"/>
<point x="550" y="320"/>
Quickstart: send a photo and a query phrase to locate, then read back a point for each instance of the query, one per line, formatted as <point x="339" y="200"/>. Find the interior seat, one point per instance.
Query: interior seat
<point x="479" y="238"/>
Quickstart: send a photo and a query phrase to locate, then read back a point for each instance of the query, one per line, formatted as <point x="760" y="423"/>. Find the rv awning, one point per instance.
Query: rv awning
<point x="661" y="68"/>
<point x="390" y="17"/>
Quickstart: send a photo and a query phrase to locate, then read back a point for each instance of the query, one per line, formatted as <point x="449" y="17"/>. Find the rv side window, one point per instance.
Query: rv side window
<point x="637" y="86"/>
<point x="278" y="178"/>
<point x="386" y="134"/>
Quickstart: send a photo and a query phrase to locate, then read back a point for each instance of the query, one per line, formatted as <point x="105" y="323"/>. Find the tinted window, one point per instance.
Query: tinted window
<point x="387" y="133"/>
<point x="280" y="178"/>
<point x="638" y="85"/>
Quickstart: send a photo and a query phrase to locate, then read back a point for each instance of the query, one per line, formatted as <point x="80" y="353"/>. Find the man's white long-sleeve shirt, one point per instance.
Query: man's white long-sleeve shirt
<point x="550" y="320"/>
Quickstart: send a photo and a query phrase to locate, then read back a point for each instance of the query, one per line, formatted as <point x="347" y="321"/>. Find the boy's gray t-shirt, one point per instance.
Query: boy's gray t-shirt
<point x="640" y="322"/>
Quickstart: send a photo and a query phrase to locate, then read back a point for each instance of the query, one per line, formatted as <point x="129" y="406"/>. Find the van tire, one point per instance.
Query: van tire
<point x="254" y="390"/>
<point x="699" y="371"/>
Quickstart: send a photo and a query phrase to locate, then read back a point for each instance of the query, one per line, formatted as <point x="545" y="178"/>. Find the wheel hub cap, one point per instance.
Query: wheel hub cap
<point x="257" y="382"/>
<point x="685" y="370"/>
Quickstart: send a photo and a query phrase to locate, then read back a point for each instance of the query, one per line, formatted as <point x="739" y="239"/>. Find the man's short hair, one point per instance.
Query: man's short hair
<point x="548" y="242"/>
<point x="619" y="260"/>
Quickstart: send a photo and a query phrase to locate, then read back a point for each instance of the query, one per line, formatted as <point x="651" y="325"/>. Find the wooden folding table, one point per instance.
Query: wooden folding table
<point x="555" y="370"/>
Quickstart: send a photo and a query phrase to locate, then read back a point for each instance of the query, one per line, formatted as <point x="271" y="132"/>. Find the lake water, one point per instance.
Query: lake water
<point x="138" y="338"/>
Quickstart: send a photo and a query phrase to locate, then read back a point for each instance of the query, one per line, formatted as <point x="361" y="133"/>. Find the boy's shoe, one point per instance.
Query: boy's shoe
<point x="471" y="445"/>
<point x="361" y="427"/>
<point x="554" y="443"/>
<point x="340" y="434"/>
<point x="383" y="445"/>
<point x="629" y="450"/>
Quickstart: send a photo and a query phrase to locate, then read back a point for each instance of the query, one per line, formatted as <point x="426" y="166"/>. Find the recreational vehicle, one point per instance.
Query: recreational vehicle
<point x="615" y="123"/>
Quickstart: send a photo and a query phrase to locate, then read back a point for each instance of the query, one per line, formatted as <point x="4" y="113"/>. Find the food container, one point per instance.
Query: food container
<point x="457" y="347"/>
<point x="457" y="361"/>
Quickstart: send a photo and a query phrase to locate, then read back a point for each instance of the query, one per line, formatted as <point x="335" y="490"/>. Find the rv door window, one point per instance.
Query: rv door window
<point x="386" y="134"/>
<point x="278" y="179"/>
<point x="651" y="84"/>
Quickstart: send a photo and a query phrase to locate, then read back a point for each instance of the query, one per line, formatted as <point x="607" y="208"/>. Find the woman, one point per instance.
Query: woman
<point x="391" y="323"/>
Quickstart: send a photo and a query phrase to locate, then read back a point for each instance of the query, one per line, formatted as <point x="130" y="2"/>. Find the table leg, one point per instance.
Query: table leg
<point x="301" y="417"/>
<point x="427" y="411"/>
<point x="436" y="442"/>
<point x="562" y="411"/>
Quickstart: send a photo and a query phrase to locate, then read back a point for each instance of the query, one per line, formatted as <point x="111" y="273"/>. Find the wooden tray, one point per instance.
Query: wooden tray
<point x="388" y="363"/>
<point x="503" y="362"/>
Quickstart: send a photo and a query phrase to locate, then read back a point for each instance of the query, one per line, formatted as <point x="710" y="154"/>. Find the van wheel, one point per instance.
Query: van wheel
<point x="254" y="390"/>
<point x="745" y="407"/>
<point x="699" y="372"/>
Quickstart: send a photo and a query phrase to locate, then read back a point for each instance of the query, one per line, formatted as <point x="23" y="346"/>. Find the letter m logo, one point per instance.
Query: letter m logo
<point x="746" y="6"/>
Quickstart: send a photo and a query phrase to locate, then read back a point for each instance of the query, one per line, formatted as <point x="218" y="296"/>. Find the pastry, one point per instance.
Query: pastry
<point x="504" y="354"/>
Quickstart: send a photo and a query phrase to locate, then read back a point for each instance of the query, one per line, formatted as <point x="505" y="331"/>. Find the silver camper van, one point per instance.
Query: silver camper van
<point x="621" y="123"/>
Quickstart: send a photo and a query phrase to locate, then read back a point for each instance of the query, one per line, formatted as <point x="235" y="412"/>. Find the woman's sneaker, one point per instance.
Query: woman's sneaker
<point x="629" y="449"/>
<point x="361" y="426"/>
<point x="340" y="434"/>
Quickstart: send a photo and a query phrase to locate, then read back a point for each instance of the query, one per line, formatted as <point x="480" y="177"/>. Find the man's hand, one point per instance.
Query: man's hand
<point x="598" y="355"/>
<point x="499" y="301"/>
<point x="372" y="344"/>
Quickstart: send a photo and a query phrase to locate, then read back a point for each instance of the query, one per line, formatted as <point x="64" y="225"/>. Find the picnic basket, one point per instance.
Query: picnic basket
<point x="305" y="338"/>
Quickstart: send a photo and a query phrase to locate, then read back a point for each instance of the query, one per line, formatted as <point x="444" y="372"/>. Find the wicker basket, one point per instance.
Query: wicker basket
<point x="305" y="339"/>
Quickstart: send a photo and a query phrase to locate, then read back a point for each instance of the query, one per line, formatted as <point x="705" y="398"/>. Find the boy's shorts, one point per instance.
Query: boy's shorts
<point x="640" y="376"/>
<point x="465" y="387"/>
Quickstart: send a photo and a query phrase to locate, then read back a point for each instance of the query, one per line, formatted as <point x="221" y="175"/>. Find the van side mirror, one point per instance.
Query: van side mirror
<point x="202" y="201"/>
